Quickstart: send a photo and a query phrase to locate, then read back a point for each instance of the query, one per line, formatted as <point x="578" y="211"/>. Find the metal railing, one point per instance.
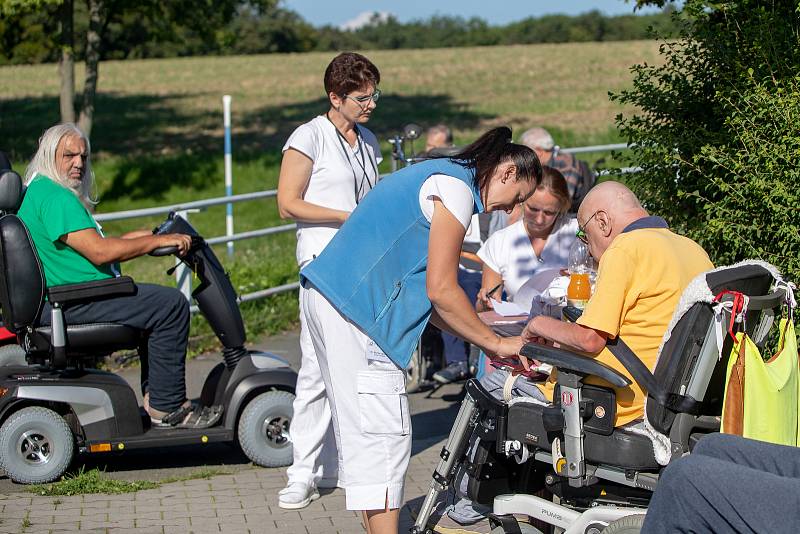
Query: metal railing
<point x="182" y="274"/>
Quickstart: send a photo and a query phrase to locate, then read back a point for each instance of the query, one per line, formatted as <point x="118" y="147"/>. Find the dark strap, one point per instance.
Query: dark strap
<point x="642" y="375"/>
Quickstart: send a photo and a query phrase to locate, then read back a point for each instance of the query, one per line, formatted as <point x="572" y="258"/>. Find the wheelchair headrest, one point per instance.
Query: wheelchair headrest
<point x="11" y="191"/>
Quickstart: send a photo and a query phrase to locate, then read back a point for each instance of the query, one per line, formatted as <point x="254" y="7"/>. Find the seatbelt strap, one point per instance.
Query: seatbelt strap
<point x="640" y="372"/>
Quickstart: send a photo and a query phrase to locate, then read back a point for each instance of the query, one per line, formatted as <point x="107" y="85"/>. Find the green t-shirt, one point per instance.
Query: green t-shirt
<point x="50" y="210"/>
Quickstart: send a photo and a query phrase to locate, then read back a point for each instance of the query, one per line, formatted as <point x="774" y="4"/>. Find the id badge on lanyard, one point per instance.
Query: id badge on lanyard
<point x="375" y="354"/>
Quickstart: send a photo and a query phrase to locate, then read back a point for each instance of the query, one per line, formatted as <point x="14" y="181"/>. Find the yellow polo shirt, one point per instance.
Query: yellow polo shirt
<point x="639" y="283"/>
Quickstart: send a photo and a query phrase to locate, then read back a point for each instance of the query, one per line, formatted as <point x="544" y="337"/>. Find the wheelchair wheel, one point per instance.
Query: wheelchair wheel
<point x="36" y="446"/>
<point x="12" y="355"/>
<point x="631" y="524"/>
<point x="264" y="429"/>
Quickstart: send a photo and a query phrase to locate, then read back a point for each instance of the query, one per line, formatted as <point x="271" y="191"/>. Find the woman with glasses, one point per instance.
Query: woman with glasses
<point x="390" y="269"/>
<point x="329" y="164"/>
<point x="540" y="241"/>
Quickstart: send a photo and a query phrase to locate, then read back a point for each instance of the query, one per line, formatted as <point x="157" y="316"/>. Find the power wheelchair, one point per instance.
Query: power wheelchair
<point x="587" y="476"/>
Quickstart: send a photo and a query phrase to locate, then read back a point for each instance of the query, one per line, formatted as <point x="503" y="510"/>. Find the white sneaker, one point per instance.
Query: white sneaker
<point x="297" y="495"/>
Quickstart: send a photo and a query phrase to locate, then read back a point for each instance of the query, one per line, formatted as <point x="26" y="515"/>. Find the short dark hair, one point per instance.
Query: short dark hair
<point x="350" y="72"/>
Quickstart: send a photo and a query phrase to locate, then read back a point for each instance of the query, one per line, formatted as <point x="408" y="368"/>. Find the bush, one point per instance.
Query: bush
<point x="716" y="131"/>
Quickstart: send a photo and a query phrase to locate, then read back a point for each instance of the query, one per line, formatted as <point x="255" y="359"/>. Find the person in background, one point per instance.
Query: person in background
<point x="329" y="164"/>
<point x="438" y="136"/>
<point x="580" y="178"/>
<point x="540" y="241"/>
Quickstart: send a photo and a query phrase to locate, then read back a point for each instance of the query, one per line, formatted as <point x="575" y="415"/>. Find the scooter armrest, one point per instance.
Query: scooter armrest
<point x="88" y="291"/>
<point x="569" y="361"/>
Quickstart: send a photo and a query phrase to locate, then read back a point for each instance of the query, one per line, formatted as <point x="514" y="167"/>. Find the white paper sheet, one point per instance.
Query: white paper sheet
<point x="508" y="309"/>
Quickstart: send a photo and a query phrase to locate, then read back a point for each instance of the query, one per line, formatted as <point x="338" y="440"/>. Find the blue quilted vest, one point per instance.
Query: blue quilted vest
<point x="373" y="270"/>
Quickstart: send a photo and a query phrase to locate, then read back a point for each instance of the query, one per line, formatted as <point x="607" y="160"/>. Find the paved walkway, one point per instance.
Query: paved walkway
<point x="245" y="500"/>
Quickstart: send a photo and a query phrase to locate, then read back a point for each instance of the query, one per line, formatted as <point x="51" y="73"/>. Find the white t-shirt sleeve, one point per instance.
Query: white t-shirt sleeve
<point x="489" y="252"/>
<point x="372" y="141"/>
<point x="454" y="194"/>
<point x="304" y="139"/>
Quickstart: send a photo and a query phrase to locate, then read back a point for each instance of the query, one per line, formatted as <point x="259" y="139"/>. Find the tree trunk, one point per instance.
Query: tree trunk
<point x="93" y="41"/>
<point x="66" y="64"/>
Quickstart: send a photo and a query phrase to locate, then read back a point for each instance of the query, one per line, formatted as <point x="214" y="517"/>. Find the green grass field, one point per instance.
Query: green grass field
<point x="157" y="136"/>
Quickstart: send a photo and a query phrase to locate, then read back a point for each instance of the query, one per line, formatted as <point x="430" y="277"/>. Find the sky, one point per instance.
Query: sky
<point x="339" y="12"/>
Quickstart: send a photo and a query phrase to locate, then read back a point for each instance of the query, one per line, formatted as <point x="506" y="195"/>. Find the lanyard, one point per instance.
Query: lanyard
<point x="358" y="186"/>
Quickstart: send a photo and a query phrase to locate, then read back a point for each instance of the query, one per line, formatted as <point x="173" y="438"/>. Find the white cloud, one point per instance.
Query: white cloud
<point x="365" y="18"/>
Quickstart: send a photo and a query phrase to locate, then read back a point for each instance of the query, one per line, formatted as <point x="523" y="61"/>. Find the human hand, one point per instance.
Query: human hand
<point x="530" y="334"/>
<point x="182" y="241"/>
<point x="485" y="296"/>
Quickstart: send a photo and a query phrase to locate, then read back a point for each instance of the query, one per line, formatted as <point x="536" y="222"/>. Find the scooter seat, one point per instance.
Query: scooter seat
<point x="94" y="338"/>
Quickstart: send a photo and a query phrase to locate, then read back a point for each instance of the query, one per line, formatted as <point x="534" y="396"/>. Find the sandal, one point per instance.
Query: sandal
<point x="191" y="416"/>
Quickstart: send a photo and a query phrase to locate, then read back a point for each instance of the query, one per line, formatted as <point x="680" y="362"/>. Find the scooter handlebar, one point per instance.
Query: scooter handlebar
<point x="164" y="251"/>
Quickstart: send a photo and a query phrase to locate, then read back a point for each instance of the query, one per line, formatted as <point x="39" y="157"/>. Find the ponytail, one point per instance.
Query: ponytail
<point x="493" y="148"/>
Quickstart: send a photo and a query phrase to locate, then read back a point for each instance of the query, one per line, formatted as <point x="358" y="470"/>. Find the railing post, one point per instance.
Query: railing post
<point x="226" y="112"/>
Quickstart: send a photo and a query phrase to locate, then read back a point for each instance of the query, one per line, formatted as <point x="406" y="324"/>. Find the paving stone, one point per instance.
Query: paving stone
<point x="347" y="525"/>
<point x="63" y="527"/>
<point x="136" y="530"/>
<point x="121" y="508"/>
<point x="231" y="518"/>
<point x="310" y="515"/>
<point x="200" y="516"/>
<point x="203" y="509"/>
<point x="167" y="521"/>
<point x="318" y="526"/>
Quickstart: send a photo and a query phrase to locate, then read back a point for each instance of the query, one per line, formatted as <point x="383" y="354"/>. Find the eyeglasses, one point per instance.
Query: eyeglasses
<point x="363" y="101"/>
<point x="581" y="233"/>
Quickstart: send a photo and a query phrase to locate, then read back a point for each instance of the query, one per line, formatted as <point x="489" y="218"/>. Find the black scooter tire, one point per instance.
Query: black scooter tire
<point x="36" y="446"/>
<point x="264" y="429"/>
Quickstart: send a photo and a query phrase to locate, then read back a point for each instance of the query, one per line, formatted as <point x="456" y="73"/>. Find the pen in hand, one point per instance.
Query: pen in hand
<point x="491" y="291"/>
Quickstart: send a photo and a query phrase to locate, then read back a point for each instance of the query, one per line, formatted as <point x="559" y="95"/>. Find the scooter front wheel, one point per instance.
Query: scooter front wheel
<point x="264" y="429"/>
<point x="36" y="446"/>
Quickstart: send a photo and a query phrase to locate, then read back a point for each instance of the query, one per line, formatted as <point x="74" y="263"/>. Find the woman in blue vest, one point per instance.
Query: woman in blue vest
<point x="390" y="269"/>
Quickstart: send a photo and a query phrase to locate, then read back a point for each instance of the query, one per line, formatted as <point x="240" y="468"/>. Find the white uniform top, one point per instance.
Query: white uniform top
<point x="337" y="177"/>
<point x="455" y="195"/>
<point x="509" y="252"/>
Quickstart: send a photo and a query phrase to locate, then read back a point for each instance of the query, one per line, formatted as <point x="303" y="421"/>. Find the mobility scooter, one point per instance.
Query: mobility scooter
<point x="58" y="405"/>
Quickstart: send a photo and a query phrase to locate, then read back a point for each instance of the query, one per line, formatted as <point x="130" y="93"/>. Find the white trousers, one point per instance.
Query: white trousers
<point x="314" y="448"/>
<point x="369" y="406"/>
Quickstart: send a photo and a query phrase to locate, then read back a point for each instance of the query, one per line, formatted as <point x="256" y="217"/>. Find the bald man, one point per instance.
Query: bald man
<point x="644" y="268"/>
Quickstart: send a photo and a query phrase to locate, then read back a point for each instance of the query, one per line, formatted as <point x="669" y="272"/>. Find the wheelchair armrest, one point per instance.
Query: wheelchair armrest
<point x="569" y="361"/>
<point x="87" y="291"/>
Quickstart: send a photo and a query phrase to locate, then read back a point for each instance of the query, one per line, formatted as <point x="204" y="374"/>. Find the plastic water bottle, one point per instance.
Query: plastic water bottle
<point x="580" y="266"/>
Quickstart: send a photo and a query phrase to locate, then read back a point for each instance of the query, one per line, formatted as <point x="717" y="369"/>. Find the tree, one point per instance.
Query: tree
<point x="193" y="19"/>
<point x="716" y="130"/>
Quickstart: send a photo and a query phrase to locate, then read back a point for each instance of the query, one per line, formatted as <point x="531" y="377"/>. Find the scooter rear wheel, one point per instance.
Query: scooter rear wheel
<point x="264" y="429"/>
